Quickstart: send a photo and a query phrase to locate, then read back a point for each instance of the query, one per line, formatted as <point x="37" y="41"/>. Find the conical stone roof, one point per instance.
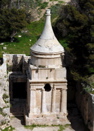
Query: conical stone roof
<point x="47" y="43"/>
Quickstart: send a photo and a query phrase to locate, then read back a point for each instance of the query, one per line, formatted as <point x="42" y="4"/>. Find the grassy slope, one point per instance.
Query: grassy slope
<point x="23" y="44"/>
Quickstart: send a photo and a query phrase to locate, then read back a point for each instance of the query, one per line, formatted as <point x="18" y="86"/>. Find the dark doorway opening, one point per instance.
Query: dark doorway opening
<point x="18" y="95"/>
<point x="47" y="87"/>
<point x="19" y="90"/>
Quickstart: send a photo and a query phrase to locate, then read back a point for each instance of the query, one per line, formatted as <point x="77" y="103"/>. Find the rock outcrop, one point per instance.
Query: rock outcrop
<point x="4" y="97"/>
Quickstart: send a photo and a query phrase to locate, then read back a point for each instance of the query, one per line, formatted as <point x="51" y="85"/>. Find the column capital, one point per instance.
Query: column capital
<point x="42" y="89"/>
<point x="33" y="89"/>
<point x="64" y="89"/>
<point x="54" y="88"/>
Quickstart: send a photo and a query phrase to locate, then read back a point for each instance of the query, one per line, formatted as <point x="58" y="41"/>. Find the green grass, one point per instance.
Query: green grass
<point x="53" y="0"/>
<point x="33" y="126"/>
<point x="8" y="129"/>
<point x="5" y="96"/>
<point x="1" y="110"/>
<point x="92" y="92"/>
<point x="61" y="2"/>
<point x="61" y="127"/>
<point x="22" y="44"/>
<point x="43" y="5"/>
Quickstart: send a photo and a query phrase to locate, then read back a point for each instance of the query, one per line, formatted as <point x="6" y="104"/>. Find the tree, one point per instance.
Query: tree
<point x="76" y="25"/>
<point x="11" y="21"/>
<point x="5" y="4"/>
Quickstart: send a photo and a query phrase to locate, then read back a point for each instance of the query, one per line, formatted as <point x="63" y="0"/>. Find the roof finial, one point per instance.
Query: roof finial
<point x="47" y="43"/>
<point x="48" y="12"/>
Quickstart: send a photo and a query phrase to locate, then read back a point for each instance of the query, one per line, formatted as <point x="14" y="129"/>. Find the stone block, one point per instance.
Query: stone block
<point x="60" y="73"/>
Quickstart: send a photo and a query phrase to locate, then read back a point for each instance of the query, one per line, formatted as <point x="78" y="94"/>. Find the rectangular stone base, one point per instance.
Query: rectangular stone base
<point x="46" y="120"/>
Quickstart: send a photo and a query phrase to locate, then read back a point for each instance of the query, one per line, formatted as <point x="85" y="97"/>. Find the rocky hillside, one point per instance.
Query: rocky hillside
<point x="36" y="8"/>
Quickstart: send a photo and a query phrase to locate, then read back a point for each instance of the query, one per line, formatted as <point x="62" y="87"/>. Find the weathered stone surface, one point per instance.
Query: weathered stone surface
<point x="47" y="95"/>
<point x="85" y="103"/>
<point x="45" y="77"/>
<point x="47" y="43"/>
<point x="6" y="111"/>
<point x="2" y="120"/>
<point x="4" y="95"/>
<point x="46" y="129"/>
<point x="16" y="123"/>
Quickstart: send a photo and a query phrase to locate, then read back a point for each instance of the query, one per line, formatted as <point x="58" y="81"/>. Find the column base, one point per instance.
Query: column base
<point x="51" y="119"/>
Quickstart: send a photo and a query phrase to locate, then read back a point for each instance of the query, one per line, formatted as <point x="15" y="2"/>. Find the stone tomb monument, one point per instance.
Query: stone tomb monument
<point x="46" y="81"/>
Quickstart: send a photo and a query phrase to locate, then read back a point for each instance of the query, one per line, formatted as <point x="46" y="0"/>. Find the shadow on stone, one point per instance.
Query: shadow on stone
<point x="75" y="118"/>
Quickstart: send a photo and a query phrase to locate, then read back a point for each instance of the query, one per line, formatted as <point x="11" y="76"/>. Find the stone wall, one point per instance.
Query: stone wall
<point x="3" y="67"/>
<point x="16" y="62"/>
<point x="85" y="102"/>
<point x="10" y="64"/>
<point x="4" y="96"/>
<point x="13" y="59"/>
